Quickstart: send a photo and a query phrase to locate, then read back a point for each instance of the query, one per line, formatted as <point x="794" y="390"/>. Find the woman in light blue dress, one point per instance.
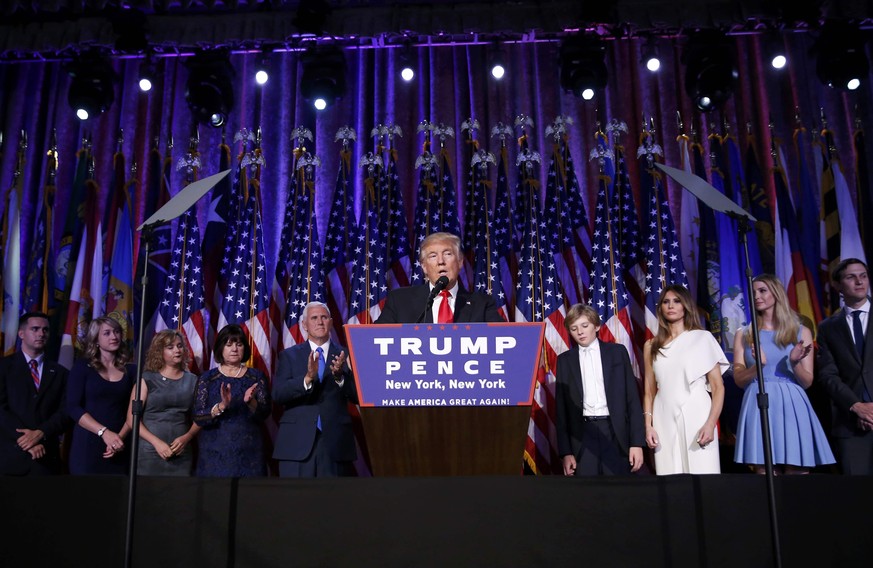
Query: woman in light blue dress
<point x="797" y="438"/>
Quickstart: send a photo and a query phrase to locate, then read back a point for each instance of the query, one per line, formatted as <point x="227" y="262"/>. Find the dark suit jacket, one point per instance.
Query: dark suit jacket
<point x="404" y="305"/>
<point x="297" y="427"/>
<point x="841" y="372"/>
<point x="622" y="397"/>
<point x="22" y="406"/>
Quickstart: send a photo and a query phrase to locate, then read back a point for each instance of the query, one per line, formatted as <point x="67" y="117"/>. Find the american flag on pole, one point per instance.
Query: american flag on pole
<point x="341" y="231"/>
<point x="663" y="256"/>
<point x="183" y="307"/>
<point x="487" y="276"/>
<point x="224" y="207"/>
<point x="369" y="277"/>
<point x="39" y="284"/>
<point x="608" y="293"/>
<point x="503" y="239"/>
<point x="565" y="215"/>
<point x="392" y="212"/>
<point x="247" y="299"/>
<point x="305" y="266"/>
<point x="539" y="298"/>
<point x="282" y="335"/>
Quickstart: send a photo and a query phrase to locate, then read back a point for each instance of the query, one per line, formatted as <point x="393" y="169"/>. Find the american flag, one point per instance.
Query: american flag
<point x="305" y="266"/>
<point x="663" y="255"/>
<point x="369" y="279"/>
<point x="160" y="250"/>
<point x="472" y="213"/>
<point x="341" y="231"/>
<point x="608" y="293"/>
<point x="437" y="206"/>
<point x="392" y="212"/>
<point x="539" y="298"/>
<point x="566" y="216"/>
<point x="247" y="299"/>
<point x="39" y="286"/>
<point x="223" y="210"/>
<point x="485" y="261"/>
<point x="503" y="239"/>
<point x="183" y="307"/>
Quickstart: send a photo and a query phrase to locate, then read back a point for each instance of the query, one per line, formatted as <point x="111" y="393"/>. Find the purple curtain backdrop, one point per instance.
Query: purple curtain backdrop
<point x="452" y="85"/>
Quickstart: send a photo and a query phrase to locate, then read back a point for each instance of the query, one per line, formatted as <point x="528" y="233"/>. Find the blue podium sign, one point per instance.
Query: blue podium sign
<point x="460" y="364"/>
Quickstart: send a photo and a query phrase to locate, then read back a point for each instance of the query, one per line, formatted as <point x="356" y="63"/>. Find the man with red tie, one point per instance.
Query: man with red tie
<point x="32" y="411"/>
<point x="443" y="300"/>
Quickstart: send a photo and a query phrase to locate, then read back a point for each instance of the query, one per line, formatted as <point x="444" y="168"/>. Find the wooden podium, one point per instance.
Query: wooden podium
<point x="444" y="432"/>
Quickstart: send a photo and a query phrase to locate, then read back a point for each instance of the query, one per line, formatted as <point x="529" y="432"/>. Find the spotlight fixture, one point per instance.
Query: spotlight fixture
<point x="262" y="69"/>
<point x="650" y="55"/>
<point x="710" y="69"/>
<point x="209" y="90"/>
<point x="774" y="47"/>
<point x="841" y="62"/>
<point x="324" y="77"/>
<point x="147" y="75"/>
<point x="498" y="62"/>
<point x="582" y="66"/>
<point x="405" y="62"/>
<point x="92" y="89"/>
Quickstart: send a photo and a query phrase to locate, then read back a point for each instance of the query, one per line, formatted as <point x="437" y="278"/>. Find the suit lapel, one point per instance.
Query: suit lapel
<point x="576" y="377"/>
<point x="462" y="306"/>
<point x="848" y="336"/>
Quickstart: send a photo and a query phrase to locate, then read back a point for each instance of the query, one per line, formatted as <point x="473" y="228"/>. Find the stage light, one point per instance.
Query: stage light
<point x="209" y="89"/>
<point x="405" y="61"/>
<point x="262" y="69"/>
<point x="778" y="61"/>
<point x="497" y="62"/>
<point x="841" y="62"/>
<point x="582" y="67"/>
<point x="710" y="69"/>
<point x="650" y="55"/>
<point x="774" y="48"/>
<point x="324" y="77"/>
<point x="147" y="75"/>
<point x="92" y="89"/>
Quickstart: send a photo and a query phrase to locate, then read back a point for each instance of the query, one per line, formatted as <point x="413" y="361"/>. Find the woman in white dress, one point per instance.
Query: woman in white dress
<point x="684" y="391"/>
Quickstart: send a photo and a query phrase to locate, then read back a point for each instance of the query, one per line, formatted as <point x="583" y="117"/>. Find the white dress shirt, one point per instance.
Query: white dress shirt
<point x="593" y="389"/>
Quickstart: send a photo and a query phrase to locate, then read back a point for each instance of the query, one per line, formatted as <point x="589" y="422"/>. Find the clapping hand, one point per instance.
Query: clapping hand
<point x="336" y="366"/>
<point x="312" y="368"/>
<point x="798" y="352"/>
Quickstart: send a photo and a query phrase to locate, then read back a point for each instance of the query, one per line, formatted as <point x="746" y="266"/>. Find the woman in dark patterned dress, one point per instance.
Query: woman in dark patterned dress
<point x="98" y="391"/>
<point x="167" y="394"/>
<point x="230" y="403"/>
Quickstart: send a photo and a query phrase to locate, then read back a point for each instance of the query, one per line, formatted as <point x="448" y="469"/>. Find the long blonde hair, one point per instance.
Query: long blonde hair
<point x="92" y="348"/>
<point x="691" y="319"/>
<point x="786" y="322"/>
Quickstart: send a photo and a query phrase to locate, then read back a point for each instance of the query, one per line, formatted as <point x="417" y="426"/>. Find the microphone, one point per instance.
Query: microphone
<point x="438" y="286"/>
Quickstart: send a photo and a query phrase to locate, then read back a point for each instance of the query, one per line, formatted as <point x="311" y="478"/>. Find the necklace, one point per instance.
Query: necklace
<point x="237" y="372"/>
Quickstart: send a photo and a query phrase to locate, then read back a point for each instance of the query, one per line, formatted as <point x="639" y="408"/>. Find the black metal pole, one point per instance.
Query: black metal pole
<point x="763" y="399"/>
<point x="136" y="407"/>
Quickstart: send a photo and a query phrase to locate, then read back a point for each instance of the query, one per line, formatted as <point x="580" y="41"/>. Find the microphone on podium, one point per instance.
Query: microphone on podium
<point x="438" y="286"/>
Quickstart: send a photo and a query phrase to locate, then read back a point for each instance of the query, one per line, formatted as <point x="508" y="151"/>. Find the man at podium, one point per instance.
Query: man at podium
<point x="443" y="300"/>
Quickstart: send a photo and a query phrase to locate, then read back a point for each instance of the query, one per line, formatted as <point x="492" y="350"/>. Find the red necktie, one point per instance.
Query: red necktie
<point x="445" y="312"/>
<point x="34" y="372"/>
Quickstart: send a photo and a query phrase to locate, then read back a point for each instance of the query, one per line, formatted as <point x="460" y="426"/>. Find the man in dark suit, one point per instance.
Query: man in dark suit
<point x="845" y="368"/>
<point x="600" y="427"/>
<point x="314" y="384"/>
<point x="440" y="255"/>
<point x="33" y="413"/>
